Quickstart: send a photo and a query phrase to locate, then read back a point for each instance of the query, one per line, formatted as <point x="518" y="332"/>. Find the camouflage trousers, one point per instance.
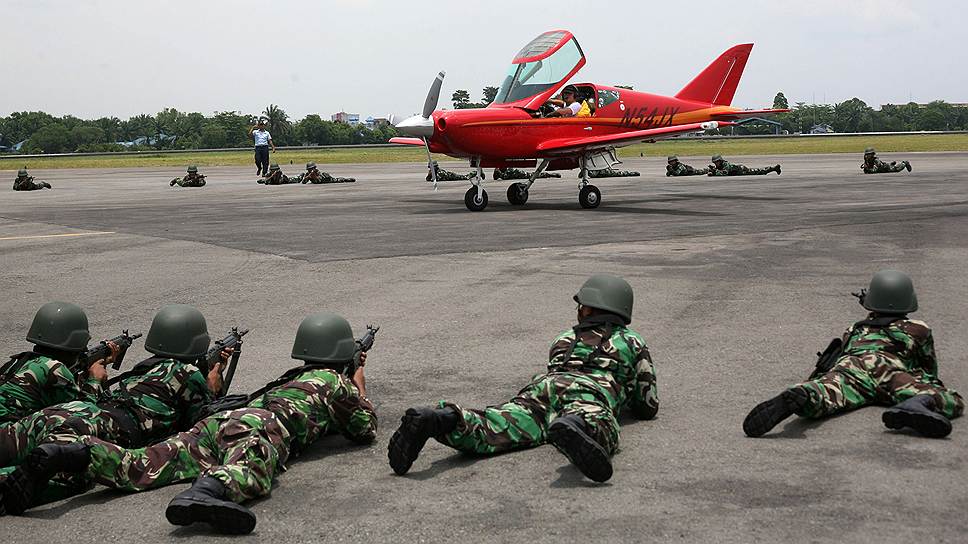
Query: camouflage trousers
<point x="30" y="185"/>
<point x="881" y="167"/>
<point x="523" y="421"/>
<point x="62" y="424"/>
<point x="324" y="178"/>
<point x="686" y="170"/>
<point x="241" y="448"/>
<point x="740" y="170"/>
<point x="447" y="175"/>
<point x="514" y="173"/>
<point x="609" y="173"/>
<point x="188" y="183"/>
<point x="875" y="378"/>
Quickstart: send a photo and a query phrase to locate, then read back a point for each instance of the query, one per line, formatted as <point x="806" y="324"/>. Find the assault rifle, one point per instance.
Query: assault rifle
<point x="860" y="296"/>
<point x="827" y="358"/>
<point x="233" y="340"/>
<point x="102" y="350"/>
<point x="363" y="345"/>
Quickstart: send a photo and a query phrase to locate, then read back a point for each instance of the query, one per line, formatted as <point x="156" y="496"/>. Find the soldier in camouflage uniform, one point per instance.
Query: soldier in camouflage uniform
<point x="47" y="375"/>
<point x="887" y="359"/>
<point x="873" y="165"/>
<point x="445" y="175"/>
<point x="25" y="182"/>
<point x="161" y="395"/>
<point x="609" y="173"/>
<point x="677" y="169"/>
<point x="235" y="454"/>
<point x="191" y="179"/>
<point x="721" y="167"/>
<point x="595" y="370"/>
<point x="313" y="175"/>
<point x="514" y="173"/>
<point x="276" y="177"/>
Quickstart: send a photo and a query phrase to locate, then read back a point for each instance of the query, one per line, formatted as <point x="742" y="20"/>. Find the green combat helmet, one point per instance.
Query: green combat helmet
<point x="22" y="173"/>
<point x="717" y="158"/>
<point x="891" y="292"/>
<point x="324" y="338"/>
<point x="869" y="151"/>
<point x="273" y="167"/>
<point x="193" y="169"/>
<point x="609" y="293"/>
<point x="310" y="166"/>
<point x="673" y="158"/>
<point x="178" y="331"/>
<point x="60" y="325"/>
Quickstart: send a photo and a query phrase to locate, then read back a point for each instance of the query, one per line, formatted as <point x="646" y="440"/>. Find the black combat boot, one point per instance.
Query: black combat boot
<point x="918" y="413"/>
<point x="42" y="463"/>
<point x="777" y="169"/>
<point x="768" y="414"/>
<point x="907" y="165"/>
<point x="417" y="426"/>
<point x="172" y="184"/>
<point x="48" y="186"/>
<point x="205" y="502"/>
<point x="568" y="434"/>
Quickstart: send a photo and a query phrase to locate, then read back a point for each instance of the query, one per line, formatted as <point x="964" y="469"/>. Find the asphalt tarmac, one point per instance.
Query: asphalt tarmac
<point x="738" y="282"/>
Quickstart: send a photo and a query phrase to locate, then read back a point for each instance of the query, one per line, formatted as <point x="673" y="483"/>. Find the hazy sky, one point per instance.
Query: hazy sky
<point x="122" y="57"/>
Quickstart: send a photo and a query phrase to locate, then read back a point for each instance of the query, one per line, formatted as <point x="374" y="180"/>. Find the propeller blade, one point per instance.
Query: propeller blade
<point x="433" y="96"/>
<point x="430" y="164"/>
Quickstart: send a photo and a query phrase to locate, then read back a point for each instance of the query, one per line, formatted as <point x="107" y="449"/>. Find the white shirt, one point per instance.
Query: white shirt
<point x="574" y="107"/>
<point x="261" y="137"/>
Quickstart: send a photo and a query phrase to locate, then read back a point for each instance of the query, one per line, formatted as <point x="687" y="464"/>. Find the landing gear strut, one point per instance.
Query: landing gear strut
<point x="589" y="196"/>
<point x="476" y="197"/>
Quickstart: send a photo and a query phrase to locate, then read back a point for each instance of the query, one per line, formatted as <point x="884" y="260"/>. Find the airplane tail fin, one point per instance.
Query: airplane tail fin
<point x="717" y="83"/>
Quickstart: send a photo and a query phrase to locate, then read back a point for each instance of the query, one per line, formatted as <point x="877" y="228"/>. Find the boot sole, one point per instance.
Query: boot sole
<point x="401" y="443"/>
<point x="583" y="451"/>
<point x="925" y="424"/>
<point x="226" y="517"/>
<point x="16" y="492"/>
<point x="763" y="418"/>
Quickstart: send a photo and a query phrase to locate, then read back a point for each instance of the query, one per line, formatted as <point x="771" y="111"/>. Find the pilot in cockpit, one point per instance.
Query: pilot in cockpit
<point x="569" y="105"/>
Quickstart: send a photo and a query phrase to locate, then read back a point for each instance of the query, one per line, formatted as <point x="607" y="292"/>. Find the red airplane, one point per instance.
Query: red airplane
<point x="520" y="128"/>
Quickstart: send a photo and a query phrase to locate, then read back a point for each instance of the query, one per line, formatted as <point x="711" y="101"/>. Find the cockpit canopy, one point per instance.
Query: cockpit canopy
<point x="540" y="69"/>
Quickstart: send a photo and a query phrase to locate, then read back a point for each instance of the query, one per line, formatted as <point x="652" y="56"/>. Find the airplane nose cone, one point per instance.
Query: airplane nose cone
<point x="416" y="126"/>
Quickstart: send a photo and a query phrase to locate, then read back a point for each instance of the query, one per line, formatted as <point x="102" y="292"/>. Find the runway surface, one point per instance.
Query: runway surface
<point x="738" y="282"/>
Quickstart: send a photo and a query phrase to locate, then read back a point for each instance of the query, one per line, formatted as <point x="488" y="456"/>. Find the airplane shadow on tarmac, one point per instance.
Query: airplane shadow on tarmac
<point x="448" y="207"/>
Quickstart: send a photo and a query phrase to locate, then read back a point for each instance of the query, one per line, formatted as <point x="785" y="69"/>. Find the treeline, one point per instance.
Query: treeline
<point x="173" y="129"/>
<point x="855" y="115"/>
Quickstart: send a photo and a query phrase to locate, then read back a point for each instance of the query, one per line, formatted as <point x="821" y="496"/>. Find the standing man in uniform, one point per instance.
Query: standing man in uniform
<point x="721" y="167"/>
<point x="676" y="168"/>
<point x="886" y="359"/>
<point x="595" y="369"/>
<point x="873" y="165"/>
<point x="262" y="140"/>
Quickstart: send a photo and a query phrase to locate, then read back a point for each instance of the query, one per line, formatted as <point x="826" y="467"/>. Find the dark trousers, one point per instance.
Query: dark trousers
<point x="262" y="159"/>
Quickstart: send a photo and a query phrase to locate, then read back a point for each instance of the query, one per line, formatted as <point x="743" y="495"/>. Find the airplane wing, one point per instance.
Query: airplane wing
<point x="570" y="145"/>
<point x="745" y="114"/>
<point x="407" y="141"/>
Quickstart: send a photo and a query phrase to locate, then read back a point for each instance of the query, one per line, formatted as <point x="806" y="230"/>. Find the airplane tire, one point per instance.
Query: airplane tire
<point x="589" y="197"/>
<point x="517" y="194"/>
<point x="472" y="202"/>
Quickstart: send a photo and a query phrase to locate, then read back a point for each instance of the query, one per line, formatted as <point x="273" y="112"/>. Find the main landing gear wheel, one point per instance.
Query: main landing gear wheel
<point x="589" y="197"/>
<point x="517" y="194"/>
<point x="473" y="202"/>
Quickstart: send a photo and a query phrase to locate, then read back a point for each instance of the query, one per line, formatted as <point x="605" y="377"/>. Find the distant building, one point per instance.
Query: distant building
<point x="347" y="118"/>
<point x="822" y="128"/>
<point x="378" y="122"/>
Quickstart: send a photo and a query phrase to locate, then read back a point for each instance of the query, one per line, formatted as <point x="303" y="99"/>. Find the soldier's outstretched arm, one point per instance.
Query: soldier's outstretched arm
<point x="644" y="400"/>
<point x="354" y="414"/>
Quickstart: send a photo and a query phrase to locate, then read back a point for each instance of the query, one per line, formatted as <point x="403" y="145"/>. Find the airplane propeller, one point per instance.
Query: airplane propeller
<point x="422" y="126"/>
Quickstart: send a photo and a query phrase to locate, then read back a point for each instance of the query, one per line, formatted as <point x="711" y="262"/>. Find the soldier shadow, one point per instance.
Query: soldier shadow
<point x="455" y="461"/>
<point x="570" y="477"/>
<point x="623" y="206"/>
<point x="798" y="427"/>
<point x="91" y="498"/>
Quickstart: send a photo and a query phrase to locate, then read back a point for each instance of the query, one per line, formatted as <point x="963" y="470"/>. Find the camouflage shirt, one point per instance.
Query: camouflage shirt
<point x="622" y="359"/>
<point x="908" y="340"/>
<point x="164" y="399"/>
<point x="728" y="169"/>
<point x="320" y="402"/>
<point x="38" y="382"/>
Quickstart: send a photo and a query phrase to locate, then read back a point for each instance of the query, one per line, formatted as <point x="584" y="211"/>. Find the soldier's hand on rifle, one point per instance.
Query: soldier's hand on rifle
<point x="362" y="359"/>
<point x="214" y="378"/>
<point x="225" y="355"/>
<point x="98" y="369"/>
<point x="359" y="380"/>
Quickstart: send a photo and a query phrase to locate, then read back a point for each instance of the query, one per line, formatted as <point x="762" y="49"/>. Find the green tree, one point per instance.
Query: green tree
<point x="213" y="136"/>
<point x="461" y="99"/>
<point x="489" y="94"/>
<point x="279" y="125"/>
<point x="849" y="116"/>
<point x="53" y="138"/>
<point x="937" y="115"/>
<point x="85" y="136"/>
<point x="780" y="102"/>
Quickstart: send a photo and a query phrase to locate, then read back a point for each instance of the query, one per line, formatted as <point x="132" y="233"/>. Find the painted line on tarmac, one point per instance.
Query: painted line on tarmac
<point x="68" y="235"/>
